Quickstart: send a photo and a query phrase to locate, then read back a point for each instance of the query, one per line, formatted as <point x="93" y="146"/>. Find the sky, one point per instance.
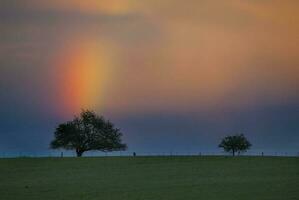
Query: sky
<point x="172" y="75"/>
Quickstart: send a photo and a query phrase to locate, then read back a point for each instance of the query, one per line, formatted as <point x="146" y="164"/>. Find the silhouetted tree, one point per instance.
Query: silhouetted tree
<point x="236" y="143"/>
<point x="88" y="132"/>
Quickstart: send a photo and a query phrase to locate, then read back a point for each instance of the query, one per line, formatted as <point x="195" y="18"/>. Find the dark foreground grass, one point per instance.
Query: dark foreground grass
<point x="155" y="178"/>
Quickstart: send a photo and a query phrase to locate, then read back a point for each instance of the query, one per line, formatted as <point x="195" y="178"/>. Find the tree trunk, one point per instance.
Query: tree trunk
<point x="233" y="152"/>
<point x="79" y="152"/>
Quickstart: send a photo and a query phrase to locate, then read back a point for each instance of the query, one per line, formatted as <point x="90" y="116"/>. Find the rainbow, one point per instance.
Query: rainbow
<point x="83" y="73"/>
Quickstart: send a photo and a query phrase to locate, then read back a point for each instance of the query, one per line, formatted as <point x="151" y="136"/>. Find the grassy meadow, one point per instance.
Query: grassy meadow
<point x="150" y="178"/>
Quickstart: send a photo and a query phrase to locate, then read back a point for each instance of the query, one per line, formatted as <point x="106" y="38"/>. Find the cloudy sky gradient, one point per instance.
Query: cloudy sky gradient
<point x="173" y="75"/>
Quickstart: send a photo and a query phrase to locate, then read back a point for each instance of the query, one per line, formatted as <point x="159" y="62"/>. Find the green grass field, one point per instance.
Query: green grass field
<point x="155" y="178"/>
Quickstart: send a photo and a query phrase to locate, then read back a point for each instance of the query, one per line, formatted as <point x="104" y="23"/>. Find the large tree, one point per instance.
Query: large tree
<point x="88" y="132"/>
<point x="235" y="144"/>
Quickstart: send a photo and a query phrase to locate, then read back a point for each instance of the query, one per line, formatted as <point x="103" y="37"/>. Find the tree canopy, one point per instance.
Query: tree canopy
<point x="235" y="143"/>
<point x="88" y="132"/>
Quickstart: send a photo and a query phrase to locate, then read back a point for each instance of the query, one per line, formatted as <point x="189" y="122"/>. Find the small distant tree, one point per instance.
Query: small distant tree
<point x="88" y="132"/>
<point x="235" y="144"/>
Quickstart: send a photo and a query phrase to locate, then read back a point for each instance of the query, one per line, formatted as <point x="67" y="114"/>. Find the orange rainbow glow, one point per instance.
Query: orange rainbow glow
<point x="83" y="74"/>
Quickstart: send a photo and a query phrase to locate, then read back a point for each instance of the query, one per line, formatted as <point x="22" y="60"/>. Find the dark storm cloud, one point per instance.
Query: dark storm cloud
<point x="271" y="127"/>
